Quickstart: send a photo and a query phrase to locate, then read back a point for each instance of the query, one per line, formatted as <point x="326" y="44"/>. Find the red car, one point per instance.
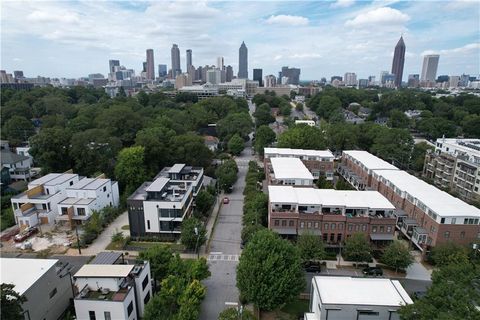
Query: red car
<point x="25" y="234"/>
<point x="226" y="200"/>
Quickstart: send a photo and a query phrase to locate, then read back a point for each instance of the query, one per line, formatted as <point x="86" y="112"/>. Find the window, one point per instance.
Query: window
<point x="309" y="225"/>
<point x="332" y="237"/>
<point x="374" y="229"/>
<point x="302" y="224"/>
<point x="339" y="237"/>
<point x="291" y="223"/>
<point x="145" y="282"/>
<point x="81" y="211"/>
<point x="91" y="315"/>
<point x="382" y="229"/>
<point x="462" y="234"/>
<point x="315" y="225"/>
<point x="350" y="227"/>
<point x="325" y="226"/>
<point x="107" y="315"/>
<point x="364" y="227"/>
<point x="389" y="229"/>
<point x="357" y="227"/>
<point x="276" y="223"/>
<point x="147" y="298"/>
<point x="325" y="237"/>
<point x="454" y="220"/>
<point x="44" y="206"/>
<point x="442" y="220"/>
<point x="148" y="224"/>
<point x="446" y="235"/>
<point x="130" y="308"/>
<point x="71" y="183"/>
<point x="333" y="226"/>
<point x="104" y="188"/>
<point x="52" y="293"/>
<point x="367" y="313"/>
<point x="284" y="223"/>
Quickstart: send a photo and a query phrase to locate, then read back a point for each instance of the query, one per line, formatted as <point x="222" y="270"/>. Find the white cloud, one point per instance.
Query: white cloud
<point x="53" y="16"/>
<point x="460" y="50"/>
<point x="342" y="3"/>
<point x="287" y="20"/>
<point x="385" y="15"/>
<point x="305" y="56"/>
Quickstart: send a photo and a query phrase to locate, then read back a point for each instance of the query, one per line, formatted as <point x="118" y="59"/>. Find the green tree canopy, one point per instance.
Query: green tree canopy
<point x="130" y="169"/>
<point x="50" y="149"/>
<point x="203" y="202"/>
<point x="310" y="246"/>
<point x="189" y="238"/>
<point x="357" y="248"/>
<point x="236" y="145"/>
<point x="240" y="123"/>
<point x="263" y="114"/>
<point x="11" y="303"/>
<point x="17" y="129"/>
<point x="264" y="136"/>
<point x="397" y="256"/>
<point x="227" y="174"/>
<point x="448" y="253"/>
<point x="235" y="314"/>
<point x="302" y="137"/>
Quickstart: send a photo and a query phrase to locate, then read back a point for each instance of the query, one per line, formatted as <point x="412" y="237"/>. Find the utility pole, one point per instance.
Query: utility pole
<point x="78" y="240"/>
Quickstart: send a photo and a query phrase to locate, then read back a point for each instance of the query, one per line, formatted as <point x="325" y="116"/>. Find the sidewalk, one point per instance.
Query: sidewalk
<point x="211" y="224"/>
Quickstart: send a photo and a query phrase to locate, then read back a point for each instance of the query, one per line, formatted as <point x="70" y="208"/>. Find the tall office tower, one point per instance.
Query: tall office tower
<point x="144" y="67"/>
<point x="398" y="62"/>
<point x="112" y="64"/>
<point x="198" y="74"/>
<point x="243" y="62"/>
<point x="229" y="73"/>
<point x="270" y="81"/>
<point x="220" y="63"/>
<point x="189" y="59"/>
<point x="214" y="76"/>
<point x="150" y="70"/>
<point x="175" y="53"/>
<point x="429" y="69"/>
<point x="293" y="75"/>
<point x="257" y="76"/>
<point x="350" y="79"/>
<point x="371" y="80"/>
<point x="464" y="80"/>
<point x="162" y="70"/>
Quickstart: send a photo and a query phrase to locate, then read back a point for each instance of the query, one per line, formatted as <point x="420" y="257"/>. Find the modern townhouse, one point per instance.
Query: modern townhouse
<point x="318" y="162"/>
<point x="112" y="291"/>
<point x="333" y="214"/>
<point x="180" y="172"/>
<point x="288" y="171"/>
<point x="348" y="298"/>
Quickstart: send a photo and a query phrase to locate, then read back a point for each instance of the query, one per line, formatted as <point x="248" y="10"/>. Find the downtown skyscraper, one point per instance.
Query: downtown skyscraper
<point x="398" y="62"/>
<point x="175" y="53"/>
<point x="150" y="67"/>
<point x="430" y="66"/>
<point x="243" y="62"/>
<point x="189" y="59"/>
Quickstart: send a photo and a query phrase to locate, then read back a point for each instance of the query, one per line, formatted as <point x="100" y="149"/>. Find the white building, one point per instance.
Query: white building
<point x="202" y="91"/>
<point x="214" y="76"/>
<point x="347" y="298"/>
<point x="310" y="123"/>
<point x="47" y="287"/>
<point x="289" y="171"/>
<point x="112" y="291"/>
<point x="18" y="165"/>
<point x="86" y="196"/>
<point x="350" y="79"/>
<point x="429" y="68"/>
<point x="270" y="81"/>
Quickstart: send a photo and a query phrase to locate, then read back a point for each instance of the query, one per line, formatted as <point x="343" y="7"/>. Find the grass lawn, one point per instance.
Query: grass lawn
<point x="176" y="247"/>
<point x="125" y="227"/>
<point x="115" y="245"/>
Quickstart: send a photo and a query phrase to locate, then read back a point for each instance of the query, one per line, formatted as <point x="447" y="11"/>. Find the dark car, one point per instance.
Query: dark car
<point x="25" y="234"/>
<point x="312" y="266"/>
<point x="373" y="271"/>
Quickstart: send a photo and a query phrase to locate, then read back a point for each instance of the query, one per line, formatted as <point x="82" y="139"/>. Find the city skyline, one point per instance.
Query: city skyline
<point x="321" y="38"/>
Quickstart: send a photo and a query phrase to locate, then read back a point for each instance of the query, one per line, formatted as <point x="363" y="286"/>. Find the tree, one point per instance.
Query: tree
<point x="191" y="239"/>
<point x="448" y="253"/>
<point x="191" y="149"/>
<point x="130" y="168"/>
<point x="18" y="129"/>
<point x="323" y="183"/>
<point x="302" y="137"/>
<point x="165" y="304"/>
<point x="357" y="248"/>
<point x="249" y="231"/>
<point x="310" y="246"/>
<point x="397" y="256"/>
<point x="157" y="142"/>
<point x="328" y="106"/>
<point x="269" y="272"/>
<point x="394" y="145"/>
<point x="235" y="314"/>
<point x="398" y="119"/>
<point x="240" y="123"/>
<point x="418" y="156"/>
<point x="227" y="174"/>
<point x="342" y="136"/>
<point x="50" y="149"/>
<point x="299" y="107"/>
<point x="342" y="184"/>
<point x="160" y="257"/>
<point x="11" y="303"/>
<point x="236" y="144"/>
<point x="264" y="136"/>
<point x="203" y="202"/>
<point x="263" y="115"/>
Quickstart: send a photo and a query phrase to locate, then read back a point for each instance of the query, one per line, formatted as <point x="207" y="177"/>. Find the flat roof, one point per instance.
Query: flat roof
<point x="77" y="201"/>
<point x="177" y="168"/>
<point x="329" y="197"/>
<point x="370" y="161"/>
<point x="45" y="178"/>
<point x="440" y="202"/>
<point x="361" y="291"/>
<point x="157" y="185"/>
<point x="89" y="184"/>
<point x="108" y="258"/>
<point x="290" y="168"/>
<point x="23" y="273"/>
<point x="299" y="152"/>
<point x="104" y="271"/>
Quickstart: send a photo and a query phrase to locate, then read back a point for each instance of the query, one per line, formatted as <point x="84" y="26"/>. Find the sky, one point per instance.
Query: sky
<point x="324" y="38"/>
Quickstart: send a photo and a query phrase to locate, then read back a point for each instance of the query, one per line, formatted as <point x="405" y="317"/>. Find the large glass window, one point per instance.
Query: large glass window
<point x="91" y="315"/>
<point x="130" y="308"/>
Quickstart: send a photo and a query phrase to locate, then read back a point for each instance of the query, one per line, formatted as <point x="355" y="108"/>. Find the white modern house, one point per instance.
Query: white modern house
<point x="289" y="171"/>
<point x="85" y="197"/>
<point x="180" y="172"/>
<point x="18" y="165"/>
<point x="347" y="298"/>
<point x="118" y="291"/>
<point x="47" y="287"/>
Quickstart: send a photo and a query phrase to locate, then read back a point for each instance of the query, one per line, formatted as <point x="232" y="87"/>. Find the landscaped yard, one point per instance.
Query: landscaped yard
<point x="291" y="311"/>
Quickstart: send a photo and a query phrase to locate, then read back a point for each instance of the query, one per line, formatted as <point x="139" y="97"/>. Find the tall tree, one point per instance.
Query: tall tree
<point x="190" y="238"/>
<point x="448" y="253"/>
<point x="269" y="272"/>
<point x="18" y="129"/>
<point x="130" y="168"/>
<point x="240" y="123"/>
<point x="11" y="303"/>
<point x="50" y="149"/>
<point x="397" y="256"/>
<point x="236" y="145"/>
<point x="263" y="115"/>
<point x="357" y="248"/>
<point x="159" y="257"/>
<point x="203" y="202"/>
<point x="302" y="137"/>
<point x="264" y="136"/>
<point x="157" y="142"/>
<point x="227" y="174"/>
<point x="310" y="246"/>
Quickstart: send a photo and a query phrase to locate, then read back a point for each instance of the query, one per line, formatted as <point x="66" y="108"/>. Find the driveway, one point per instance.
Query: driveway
<point x="225" y="248"/>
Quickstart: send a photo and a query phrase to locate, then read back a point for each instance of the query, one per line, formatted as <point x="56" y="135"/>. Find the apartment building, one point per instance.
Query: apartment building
<point x="158" y="208"/>
<point x="333" y="214"/>
<point x="318" y="162"/>
<point x="426" y="215"/>
<point x="288" y="171"/>
<point x="357" y="167"/>
<point x="455" y="165"/>
<point x="341" y="298"/>
<point x="38" y="205"/>
<point x="118" y="291"/>
<point x="85" y="197"/>
<point x="43" y="282"/>
<point x="180" y="172"/>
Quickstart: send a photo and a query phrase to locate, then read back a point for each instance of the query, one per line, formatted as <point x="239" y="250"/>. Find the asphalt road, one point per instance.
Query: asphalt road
<point x="225" y="249"/>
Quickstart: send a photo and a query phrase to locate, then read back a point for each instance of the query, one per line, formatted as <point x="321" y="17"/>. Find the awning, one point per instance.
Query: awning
<point x="285" y="231"/>
<point x="381" y="237"/>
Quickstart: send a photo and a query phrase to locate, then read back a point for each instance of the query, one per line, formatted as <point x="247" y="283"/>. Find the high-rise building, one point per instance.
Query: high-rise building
<point x="443" y="78"/>
<point x="350" y="79"/>
<point x="429" y="69"/>
<point x="398" y="62"/>
<point x="229" y="73"/>
<point x="162" y="70"/>
<point x="243" y="62"/>
<point x="371" y="80"/>
<point x="112" y="64"/>
<point x="18" y="74"/>
<point x="220" y="65"/>
<point x="214" y="76"/>
<point x="175" y="53"/>
<point x="336" y="78"/>
<point x="413" y="80"/>
<point x="454" y="81"/>
<point x="257" y="76"/>
<point x="464" y="80"/>
<point x="270" y="81"/>
<point x="293" y="75"/>
<point x="150" y="65"/>
<point x="189" y="59"/>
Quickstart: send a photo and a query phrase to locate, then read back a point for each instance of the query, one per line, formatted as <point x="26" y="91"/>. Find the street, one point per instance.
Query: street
<point x="225" y="248"/>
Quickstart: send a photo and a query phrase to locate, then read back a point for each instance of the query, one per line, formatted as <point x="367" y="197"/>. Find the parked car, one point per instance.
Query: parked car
<point x="373" y="271"/>
<point x="226" y="200"/>
<point x="312" y="266"/>
<point x="25" y="234"/>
